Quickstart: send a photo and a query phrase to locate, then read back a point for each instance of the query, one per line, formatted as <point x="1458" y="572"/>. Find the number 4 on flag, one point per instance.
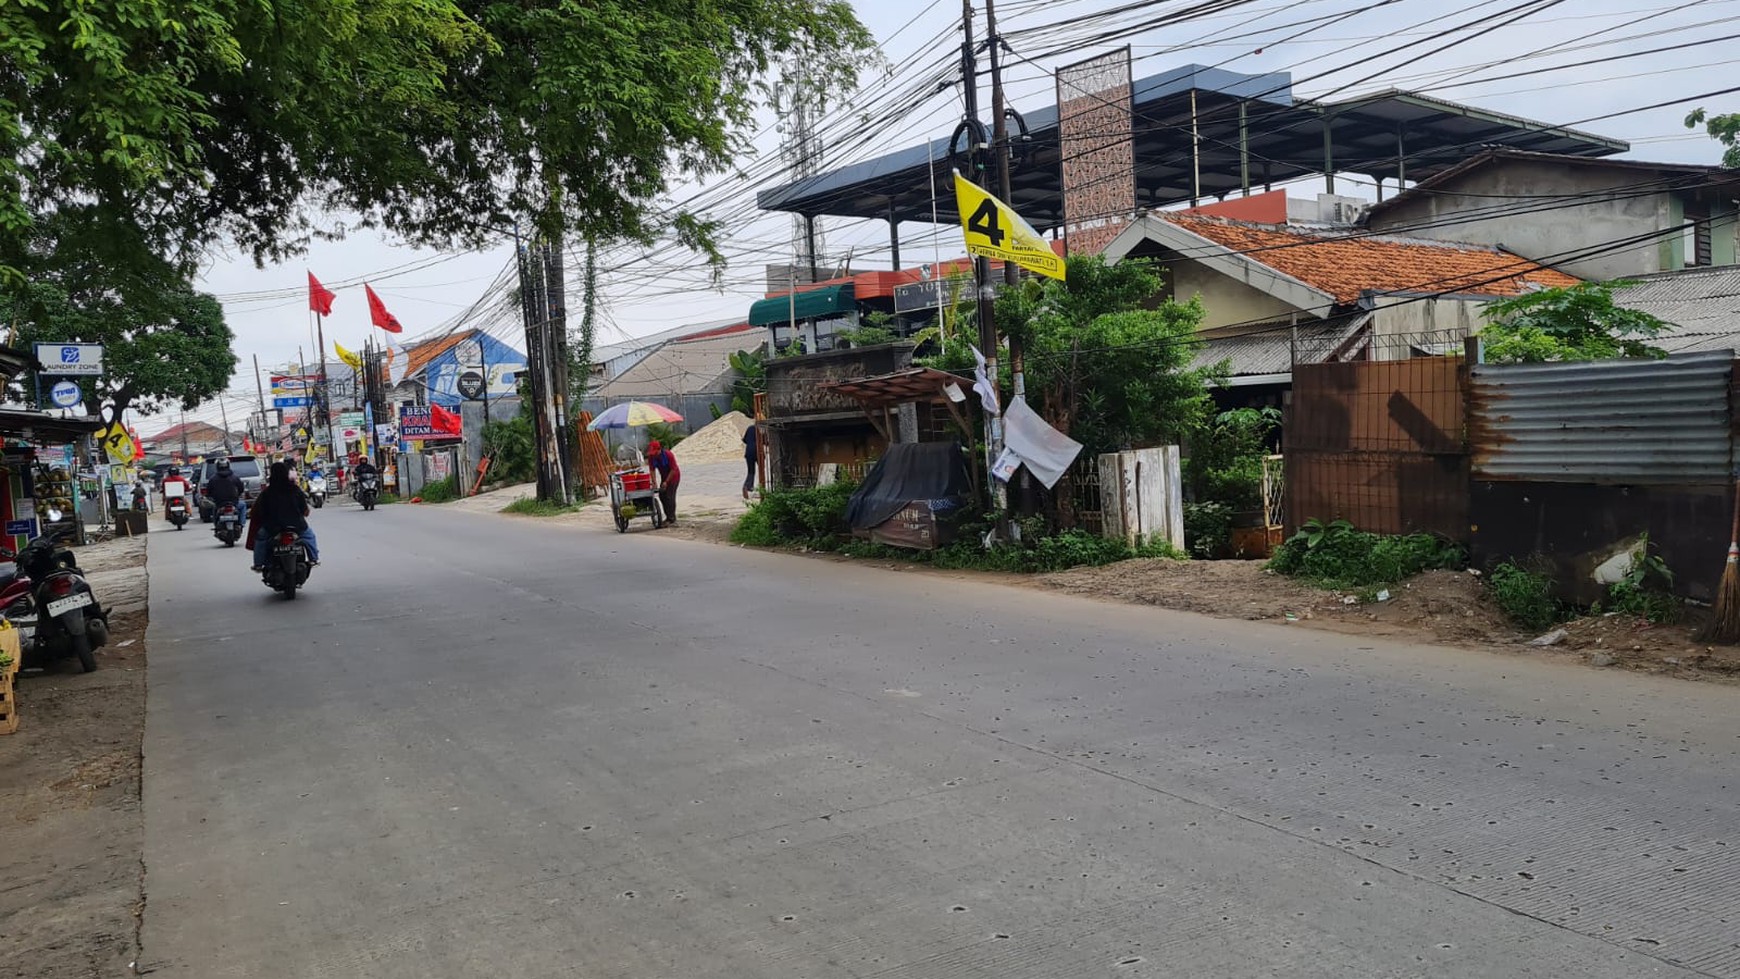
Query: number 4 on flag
<point x="994" y="230"/>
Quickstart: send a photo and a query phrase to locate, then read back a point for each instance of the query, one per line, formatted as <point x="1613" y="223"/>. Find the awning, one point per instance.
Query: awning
<point x="826" y="301"/>
<point x="41" y="427"/>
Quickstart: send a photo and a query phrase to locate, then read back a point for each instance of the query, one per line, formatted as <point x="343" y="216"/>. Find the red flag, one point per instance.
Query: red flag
<point x="378" y="314"/>
<point x="444" y="421"/>
<point x="319" y="297"/>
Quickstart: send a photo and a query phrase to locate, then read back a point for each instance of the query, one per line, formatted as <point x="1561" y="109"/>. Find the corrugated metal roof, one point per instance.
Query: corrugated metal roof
<point x="686" y="367"/>
<point x="1269" y="348"/>
<point x="1629" y="421"/>
<point x="1702" y="304"/>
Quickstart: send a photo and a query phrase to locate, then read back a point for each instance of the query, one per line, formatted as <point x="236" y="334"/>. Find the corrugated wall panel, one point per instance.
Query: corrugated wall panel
<point x="1633" y="422"/>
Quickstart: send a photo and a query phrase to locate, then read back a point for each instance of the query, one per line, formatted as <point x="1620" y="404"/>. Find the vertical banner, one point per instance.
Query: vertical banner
<point x="1098" y="151"/>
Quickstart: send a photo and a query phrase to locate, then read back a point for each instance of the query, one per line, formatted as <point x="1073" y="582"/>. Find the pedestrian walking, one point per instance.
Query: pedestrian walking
<point x="666" y="475"/>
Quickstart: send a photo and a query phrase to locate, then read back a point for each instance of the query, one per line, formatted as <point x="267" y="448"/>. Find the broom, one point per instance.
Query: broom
<point x="1725" y="618"/>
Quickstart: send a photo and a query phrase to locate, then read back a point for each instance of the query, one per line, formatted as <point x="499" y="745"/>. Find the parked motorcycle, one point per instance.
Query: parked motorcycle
<point x="227" y="524"/>
<point x="288" y="568"/>
<point x="49" y="598"/>
<point x="368" y="490"/>
<point x="178" y="514"/>
<point x="317" y="491"/>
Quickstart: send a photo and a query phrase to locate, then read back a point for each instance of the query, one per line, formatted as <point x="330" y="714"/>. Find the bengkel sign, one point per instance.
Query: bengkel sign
<point x="420" y="422"/>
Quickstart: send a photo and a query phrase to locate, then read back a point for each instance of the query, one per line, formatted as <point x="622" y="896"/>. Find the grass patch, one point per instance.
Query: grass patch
<point x="440" y="491"/>
<point x="1525" y="596"/>
<point x="386" y="498"/>
<point x="533" y="507"/>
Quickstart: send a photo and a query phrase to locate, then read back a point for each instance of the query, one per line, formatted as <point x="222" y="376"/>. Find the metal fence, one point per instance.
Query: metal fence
<point x="1379" y="444"/>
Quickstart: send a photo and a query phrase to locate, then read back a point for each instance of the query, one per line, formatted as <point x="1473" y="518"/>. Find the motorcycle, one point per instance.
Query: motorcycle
<point x="178" y="511"/>
<point x="48" y="596"/>
<point x="317" y="491"/>
<point x="227" y="524"/>
<point x="368" y="490"/>
<point x="288" y="568"/>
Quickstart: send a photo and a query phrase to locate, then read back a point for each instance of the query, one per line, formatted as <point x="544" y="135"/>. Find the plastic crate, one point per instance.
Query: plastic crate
<point x="636" y="482"/>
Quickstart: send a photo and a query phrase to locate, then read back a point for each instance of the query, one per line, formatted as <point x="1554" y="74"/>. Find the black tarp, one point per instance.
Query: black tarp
<point x="934" y="472"/>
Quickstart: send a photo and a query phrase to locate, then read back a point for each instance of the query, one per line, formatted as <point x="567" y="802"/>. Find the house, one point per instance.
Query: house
<point x="611" y="360"/>
<point x="1593" y="218"/>
<point x="1275" y="291"/>
<point x="190" y="440"/>
<point x="685" y="375"/>
<point x="433" y="369"/>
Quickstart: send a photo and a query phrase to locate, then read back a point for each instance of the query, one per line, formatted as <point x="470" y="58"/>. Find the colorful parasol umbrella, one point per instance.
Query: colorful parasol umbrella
<point x="632" y="413"/>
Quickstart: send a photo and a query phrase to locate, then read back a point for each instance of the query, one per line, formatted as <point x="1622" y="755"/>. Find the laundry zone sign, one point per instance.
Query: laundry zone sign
<point x="79" y="359"/>
<point x="416" y="423"/>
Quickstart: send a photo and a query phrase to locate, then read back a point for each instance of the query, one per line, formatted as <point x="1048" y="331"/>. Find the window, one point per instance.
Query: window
<point x="1696" y="238"/>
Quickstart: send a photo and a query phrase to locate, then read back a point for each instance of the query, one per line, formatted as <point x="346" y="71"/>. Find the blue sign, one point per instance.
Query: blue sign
<point x="289" y="402"/>
<point x="21" y="528"/>
<point x="65" y="394"/>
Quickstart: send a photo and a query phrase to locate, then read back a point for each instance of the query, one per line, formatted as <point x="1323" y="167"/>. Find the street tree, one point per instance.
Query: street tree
<point x="1107" y="363"/>
<point x="1724" y="129"/>
<point x="1580" y="322"/>
<point x="165" y="343"/>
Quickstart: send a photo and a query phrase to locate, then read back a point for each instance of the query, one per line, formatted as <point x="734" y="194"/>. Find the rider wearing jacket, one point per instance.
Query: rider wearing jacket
<point x="280" y="506"/>
<point x="226" y="487"/>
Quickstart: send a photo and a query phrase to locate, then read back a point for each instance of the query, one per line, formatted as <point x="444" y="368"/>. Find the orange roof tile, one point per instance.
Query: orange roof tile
<point x="1348" y="265"/>
<point x="418" y="357"/>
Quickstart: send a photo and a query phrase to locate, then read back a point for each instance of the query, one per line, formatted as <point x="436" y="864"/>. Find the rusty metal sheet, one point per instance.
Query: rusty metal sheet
<point x="1630" y="422"/>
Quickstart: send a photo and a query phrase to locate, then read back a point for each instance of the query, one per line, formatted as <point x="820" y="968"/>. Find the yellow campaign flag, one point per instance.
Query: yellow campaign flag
<point x="994" y="230"/>
<point x="348" y="357"/>
<point x="117" y="444"/>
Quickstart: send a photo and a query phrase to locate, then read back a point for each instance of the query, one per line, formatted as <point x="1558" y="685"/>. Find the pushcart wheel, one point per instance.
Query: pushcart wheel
<point x="658" y="515"/>
<point x="621" y="521"/>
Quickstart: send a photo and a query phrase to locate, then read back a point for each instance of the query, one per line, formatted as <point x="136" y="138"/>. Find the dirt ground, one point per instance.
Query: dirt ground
<point x="1444" y="607"/>
<point x="72" y="831"/>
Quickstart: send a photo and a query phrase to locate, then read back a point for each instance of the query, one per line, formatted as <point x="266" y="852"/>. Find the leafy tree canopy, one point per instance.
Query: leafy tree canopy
<point x="1106" y="362"/>
<point x="1724" y="129"/>
<point x="165" y="343"/>
<point x="442" y="120"/>
<point x="1580" y="322"/>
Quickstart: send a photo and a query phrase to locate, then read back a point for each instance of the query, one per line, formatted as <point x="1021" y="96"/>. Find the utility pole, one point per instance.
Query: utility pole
<point x="1011" y="272"/>
<point x="556" y="338"/>
<point x="185" y="458"/>
<point x="260" y="388"/>
<point x="224" y="413"/>
<point x="987" y="295"/>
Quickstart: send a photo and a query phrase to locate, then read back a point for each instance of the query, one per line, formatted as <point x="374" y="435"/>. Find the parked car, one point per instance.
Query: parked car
<point x="247" y="467"/>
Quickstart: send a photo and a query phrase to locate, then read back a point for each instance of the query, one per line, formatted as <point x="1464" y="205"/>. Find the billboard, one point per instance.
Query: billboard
<point x="1099" y="158"/>
<point x="83" y="359"/>
<point x="293" y="390"/>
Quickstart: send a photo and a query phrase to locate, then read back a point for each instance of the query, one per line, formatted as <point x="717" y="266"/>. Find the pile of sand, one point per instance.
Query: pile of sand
<point x="720" y="441"/>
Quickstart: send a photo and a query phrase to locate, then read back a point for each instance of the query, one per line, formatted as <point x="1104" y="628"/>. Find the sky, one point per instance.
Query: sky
<point x="1327" y="45"/>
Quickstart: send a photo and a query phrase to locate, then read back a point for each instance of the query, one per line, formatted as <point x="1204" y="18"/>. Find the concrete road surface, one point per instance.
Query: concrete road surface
<point x="479" y="746"/>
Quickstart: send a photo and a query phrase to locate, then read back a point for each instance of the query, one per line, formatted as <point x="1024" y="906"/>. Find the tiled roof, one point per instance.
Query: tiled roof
<point x="1348" y="265"/>
<point x="418" y="357"/>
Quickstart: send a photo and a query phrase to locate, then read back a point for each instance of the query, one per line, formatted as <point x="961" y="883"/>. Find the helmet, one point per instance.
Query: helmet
<point x="174" y="470"/>
<point x="223" y="465"/>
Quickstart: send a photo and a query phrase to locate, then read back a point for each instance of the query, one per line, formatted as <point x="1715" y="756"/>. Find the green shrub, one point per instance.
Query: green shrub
<point x="1226" y="458"/>
<point x="1207" y="529"/>
<point x="1645" y="591"/>
<point x="529" y="506"/>
<point x="668" y="436"/>
<point x="441" y="490"/>
<point x="1335" y="555"/>
<point x="512" y="449"/>
<point x="1524" y="596"/>
<point x="813" y="517"/>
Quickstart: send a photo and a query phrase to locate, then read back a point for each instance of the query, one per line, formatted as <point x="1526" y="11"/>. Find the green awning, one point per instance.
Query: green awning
<point x="826" y="301"/>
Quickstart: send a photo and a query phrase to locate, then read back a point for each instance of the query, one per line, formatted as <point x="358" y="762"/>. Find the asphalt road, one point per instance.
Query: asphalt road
<point x="479" y="746"/>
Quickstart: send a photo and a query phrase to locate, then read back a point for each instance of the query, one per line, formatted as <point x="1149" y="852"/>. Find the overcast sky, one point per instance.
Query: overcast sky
<point x="646" y="293"/>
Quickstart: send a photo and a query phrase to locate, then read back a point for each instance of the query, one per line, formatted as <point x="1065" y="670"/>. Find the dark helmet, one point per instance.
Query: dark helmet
<point x="223" y="465"/>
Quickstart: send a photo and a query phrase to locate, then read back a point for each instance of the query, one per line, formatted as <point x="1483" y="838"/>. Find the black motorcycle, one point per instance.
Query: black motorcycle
<point x="66" y="616"/>
<point x="178" y="514"/>
<point x="368" y="490"/>
<point x="227" y="524"/>
<point x="288" y="567"/>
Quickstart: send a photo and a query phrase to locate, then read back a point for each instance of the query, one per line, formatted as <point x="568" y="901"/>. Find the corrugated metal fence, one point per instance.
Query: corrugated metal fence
<point x="1574" y="462"/>
<point x="1635" y="422"/>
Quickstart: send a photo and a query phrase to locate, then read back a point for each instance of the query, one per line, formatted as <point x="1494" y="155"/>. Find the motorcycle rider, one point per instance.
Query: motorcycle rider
<point x="175" y="486"/>
<point x="280" y="506"/>
<point x="226" y="487"/>
<point x="363" y="469"/>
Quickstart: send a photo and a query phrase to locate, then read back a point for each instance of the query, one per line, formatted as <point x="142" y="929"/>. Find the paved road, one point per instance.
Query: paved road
<point x="482" y="747"/>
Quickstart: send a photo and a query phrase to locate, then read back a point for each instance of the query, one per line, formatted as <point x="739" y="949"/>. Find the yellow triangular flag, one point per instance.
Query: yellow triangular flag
<point x="349" y="358"/>
<point x="994" y="230"/>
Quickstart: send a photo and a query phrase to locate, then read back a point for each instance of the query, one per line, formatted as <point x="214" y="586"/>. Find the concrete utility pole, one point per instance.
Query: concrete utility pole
<point x="987" y="295"/>
<point x="1000" y="145"/>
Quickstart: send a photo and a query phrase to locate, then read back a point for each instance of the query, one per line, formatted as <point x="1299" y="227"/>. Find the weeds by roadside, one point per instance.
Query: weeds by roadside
<point x="815" y="519"/>
<point x="1335" y="555"/>
<point x="440" y="491"/>
<point x="532" y="507"/>
<point x="1525" y="596"/>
